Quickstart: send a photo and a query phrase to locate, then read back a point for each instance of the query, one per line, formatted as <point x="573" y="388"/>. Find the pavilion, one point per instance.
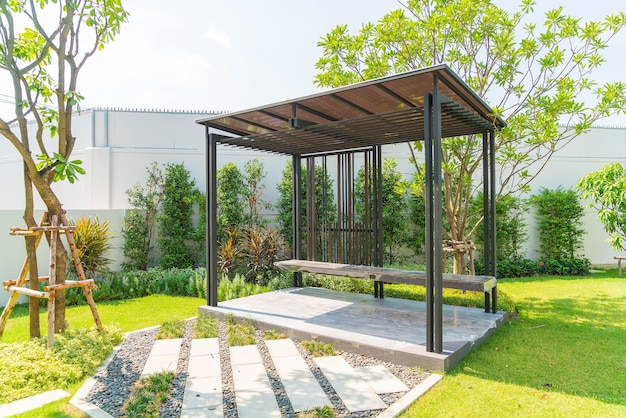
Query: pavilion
<point x="347" y="126"/>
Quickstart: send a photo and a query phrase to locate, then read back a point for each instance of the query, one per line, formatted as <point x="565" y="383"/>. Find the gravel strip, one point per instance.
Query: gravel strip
<point x="114" y="384"/>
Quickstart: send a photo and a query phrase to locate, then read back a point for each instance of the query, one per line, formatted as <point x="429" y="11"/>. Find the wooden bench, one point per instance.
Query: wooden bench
<point x="619" y="259"/>
<point x="380" y="275"/>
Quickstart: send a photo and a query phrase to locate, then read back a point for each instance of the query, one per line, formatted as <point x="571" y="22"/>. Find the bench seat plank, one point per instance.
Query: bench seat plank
<point x="388" y="275"/>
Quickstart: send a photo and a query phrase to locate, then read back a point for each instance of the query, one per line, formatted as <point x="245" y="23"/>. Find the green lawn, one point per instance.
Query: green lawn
<point x="564" y="355"/>
<point x="126" y="315"/>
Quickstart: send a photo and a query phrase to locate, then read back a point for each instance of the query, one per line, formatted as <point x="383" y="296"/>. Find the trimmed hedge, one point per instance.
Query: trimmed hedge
<point x="524" y="267"/>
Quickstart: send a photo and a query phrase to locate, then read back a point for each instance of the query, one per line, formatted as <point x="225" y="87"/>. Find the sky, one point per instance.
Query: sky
<point x="212" y="55"/>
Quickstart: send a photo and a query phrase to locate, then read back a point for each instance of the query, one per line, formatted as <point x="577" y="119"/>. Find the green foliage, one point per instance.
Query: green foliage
<point x="325" y="207"/>
<point x="139" y="223"/>
<point x="33" y="368"/>
<point x="318" y="348"/>
<point x="522" y="267"/>
<point x="510" y="226"/>
<point x="207" y="326"/>
<point x="92" y="245"/>
<point x="174" y="220"/>
<point x="239" y="333"/>
<point x="148" y="395"/>
<point x="174" y="282"/>
<point x="272" y="334"/>
<point x="139" y="283"/>
<point x="63" y="168"/>
<point x="231" y="191"/>
<point x="174" y="328"/>
<point x="605" y="189"/>
<point x="538" y="77"/>
<point x="251" y="252"/>
<point x="396" y="231"/>
<point x="237" y="288"/>
<point x="254" y="174"/>
<point x="559" y="214"/>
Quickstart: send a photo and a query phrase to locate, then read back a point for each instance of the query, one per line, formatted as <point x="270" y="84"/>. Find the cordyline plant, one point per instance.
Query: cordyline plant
<point x="537" y="77"/>
<point x="44" y="45"/>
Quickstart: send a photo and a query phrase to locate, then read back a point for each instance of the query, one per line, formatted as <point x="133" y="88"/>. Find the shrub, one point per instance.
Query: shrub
<point x="139" y="223"/>
<point x="510" y="226"/>
<point x="559" y="214"/>
<point x="175" y="223"/>
<point x="231" y="192"/>
<point x="520" y="267"/>
<point x="92" y="245"/>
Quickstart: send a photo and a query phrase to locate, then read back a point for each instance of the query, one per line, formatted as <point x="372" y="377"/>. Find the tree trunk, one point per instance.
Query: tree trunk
<point x="33" y="271"/>
<point x="44" y="188"/>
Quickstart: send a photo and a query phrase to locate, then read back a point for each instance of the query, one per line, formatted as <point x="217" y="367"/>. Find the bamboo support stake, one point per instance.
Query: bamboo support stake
<point x="81" y="274"/>
<point x="53" y="273"/>
<point x="8" y="308"/>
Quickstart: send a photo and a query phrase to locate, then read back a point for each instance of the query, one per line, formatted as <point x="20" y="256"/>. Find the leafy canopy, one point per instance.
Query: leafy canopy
<point x="538" y="77"/>
<point x="606" y="191"/>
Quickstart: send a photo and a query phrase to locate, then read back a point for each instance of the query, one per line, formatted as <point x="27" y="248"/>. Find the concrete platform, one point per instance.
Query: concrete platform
<point x="390" y="329"/>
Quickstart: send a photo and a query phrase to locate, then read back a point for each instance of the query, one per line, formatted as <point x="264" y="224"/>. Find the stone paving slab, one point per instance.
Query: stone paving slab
<point x="163" y="357"/>
<point x="253" y="391"/>
<point x="301" y="386"/>
<point x="203" y="388"/>
<point x="355" y="393"/>
<point x="380" y="379"/>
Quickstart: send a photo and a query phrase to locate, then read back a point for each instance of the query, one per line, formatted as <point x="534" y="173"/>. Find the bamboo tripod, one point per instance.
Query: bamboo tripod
<point x="49" y="224"/>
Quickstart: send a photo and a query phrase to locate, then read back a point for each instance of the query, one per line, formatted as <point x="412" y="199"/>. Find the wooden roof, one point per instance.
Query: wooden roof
<point x="386" y="110"/>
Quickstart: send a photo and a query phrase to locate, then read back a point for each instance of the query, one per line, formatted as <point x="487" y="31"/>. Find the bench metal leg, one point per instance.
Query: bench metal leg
<point x="379" y="291"/>
<point x="619" y="267"/>
<point x="487" y="302"/>
<point x="494" y="300"/>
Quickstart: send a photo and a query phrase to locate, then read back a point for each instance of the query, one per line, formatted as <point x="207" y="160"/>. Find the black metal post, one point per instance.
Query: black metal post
<point x="428" y="192"/>
<point x="492" y="172"/>
<point x="437" y="218"/>
<point x="378" y="215"/>
<point x="211" y="219"/>
<point x="296" y="214"/>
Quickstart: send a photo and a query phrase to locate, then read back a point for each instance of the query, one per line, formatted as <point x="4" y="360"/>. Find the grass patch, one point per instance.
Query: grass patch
<point x="318" y="348"/>
<point x="272" y="334"/>
<point x="148" y="395"/>
<point x="206" y="326"/>
<point x="171" y="329"/>
<point x="30" y="367"/>
<point x="323" y="412"/>
<point x="125" y="315"/>
<point x="564" y="355"/>
<point x="239" y="333"/>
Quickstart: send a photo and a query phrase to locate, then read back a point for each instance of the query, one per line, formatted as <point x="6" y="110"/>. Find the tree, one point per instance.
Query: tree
<point x="231" y="192"/>
<point x="43" y="47"/>
<point x="139" y="223"/>
<point x="325" y="207"/>
<point x="174" y="219"/>
<point x="606" y="190"/>
<point x="537" y="77"/>
<point x="254" y="174"/>
<point x="395" y="205"/>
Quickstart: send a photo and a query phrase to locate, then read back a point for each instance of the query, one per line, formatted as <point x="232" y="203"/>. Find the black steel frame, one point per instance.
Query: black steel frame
<point x="433" y="194"/>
